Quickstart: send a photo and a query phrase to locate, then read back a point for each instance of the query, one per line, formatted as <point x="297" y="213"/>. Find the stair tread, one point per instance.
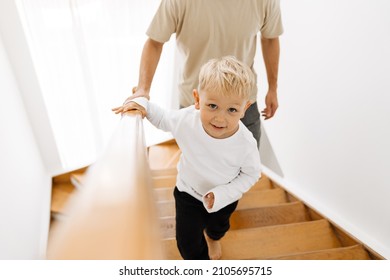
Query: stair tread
<point x="267" y="242"/>
<point x="163" y="155"/>
<point x="77" y="179"/>
<point x="165" y="208"/>
<point x="166" y="192"/>
<point x="354" y="252"/>
<point x="161" y="177"/>
<point x="172" y="171"/>
<point x="249" y="200"/>
<point x="61" y="193"/>
<point x="257" y="198"/>
<point x="263" y="183"/>
<point x="167" y="227"/>
<point x="164" y="181"/>
<point x="287" y="213"/>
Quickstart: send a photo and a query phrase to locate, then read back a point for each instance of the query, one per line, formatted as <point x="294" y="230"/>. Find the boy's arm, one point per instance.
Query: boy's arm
<point x="160" y="118"/>
<point x="223" y="195"/>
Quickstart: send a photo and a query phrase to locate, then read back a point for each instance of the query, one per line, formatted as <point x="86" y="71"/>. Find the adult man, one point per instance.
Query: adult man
<point x="208" y="29"/>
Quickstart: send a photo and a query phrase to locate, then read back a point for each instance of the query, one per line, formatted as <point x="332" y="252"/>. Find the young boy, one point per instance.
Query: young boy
<point x="220" y="160"/>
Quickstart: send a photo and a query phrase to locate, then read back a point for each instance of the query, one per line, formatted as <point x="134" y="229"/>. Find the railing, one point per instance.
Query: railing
<point x="113" y="216"/>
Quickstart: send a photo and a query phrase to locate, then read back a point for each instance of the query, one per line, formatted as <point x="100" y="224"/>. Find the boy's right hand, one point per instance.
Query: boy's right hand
<point x="209" y="200"/>
<point x="130" y="106"/>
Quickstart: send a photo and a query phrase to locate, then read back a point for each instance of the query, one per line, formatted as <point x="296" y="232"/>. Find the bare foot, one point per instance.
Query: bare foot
<point x="215" y="250"/>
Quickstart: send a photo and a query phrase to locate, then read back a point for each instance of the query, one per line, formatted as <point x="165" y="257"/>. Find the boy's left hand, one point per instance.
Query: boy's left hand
<point x="130" y="106"/>
<point x="209" y="200"/>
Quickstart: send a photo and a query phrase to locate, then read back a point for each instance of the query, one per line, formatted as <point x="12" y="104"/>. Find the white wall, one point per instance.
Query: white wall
<point x="19" y="55"/>
<point x="331" y="133"/>
<point x="24" y="183"/>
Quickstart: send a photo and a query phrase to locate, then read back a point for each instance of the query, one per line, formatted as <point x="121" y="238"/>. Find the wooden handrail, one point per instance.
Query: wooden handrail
<point x="113" y="216"/>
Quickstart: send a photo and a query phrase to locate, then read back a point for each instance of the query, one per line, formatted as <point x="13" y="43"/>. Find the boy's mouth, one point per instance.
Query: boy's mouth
<point x="217" y="127"/>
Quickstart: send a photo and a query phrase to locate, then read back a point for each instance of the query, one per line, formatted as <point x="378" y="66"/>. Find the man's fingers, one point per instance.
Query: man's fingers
<point x="268" y="113"/>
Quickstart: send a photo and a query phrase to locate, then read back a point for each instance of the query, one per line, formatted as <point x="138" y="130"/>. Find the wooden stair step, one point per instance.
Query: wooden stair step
<point x="77" y="179"/>
<point x="162" y="177"/>
<point x="354" y="252"/>
<point x="61" y="193"/>
<point x="264" y="183"/>
<point x="256" y="198"/>
<point x="287" y="213"/>
<point x="165" y="208"/>
<point x="249" y="200"/>
<point x="268" y="242"/>
<point x="164" y="194"/>
<point x="164" y="155"/>
<point x="164" y="181"/>
<point x="167" y="227"/>
<point x="172" y="171"/>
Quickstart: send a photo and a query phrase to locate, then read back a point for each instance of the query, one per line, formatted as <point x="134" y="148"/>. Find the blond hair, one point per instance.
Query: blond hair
<point x="228" y="76"/>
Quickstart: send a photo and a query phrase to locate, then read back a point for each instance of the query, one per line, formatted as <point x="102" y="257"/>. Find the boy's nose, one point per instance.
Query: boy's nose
<point x="219" y="117"/>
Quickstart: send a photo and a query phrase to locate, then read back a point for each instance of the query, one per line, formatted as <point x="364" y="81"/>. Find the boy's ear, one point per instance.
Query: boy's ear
<point x="247" y="105"/>
<point x="195" y="93"/>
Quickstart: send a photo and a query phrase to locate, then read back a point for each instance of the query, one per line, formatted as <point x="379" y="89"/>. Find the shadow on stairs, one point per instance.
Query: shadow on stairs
<point x="269" y="222"/>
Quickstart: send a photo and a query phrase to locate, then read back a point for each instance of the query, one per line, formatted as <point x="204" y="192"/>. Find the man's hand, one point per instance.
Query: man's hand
<point x="137" y="92"/>
<point x="271" y="105"/>
<point x="271" y="50"/>
<point x="209" y="200"/>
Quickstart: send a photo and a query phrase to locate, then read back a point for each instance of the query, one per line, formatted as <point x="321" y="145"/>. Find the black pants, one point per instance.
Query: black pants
<point x="252" y="121"/>
<point x="192" y="219"/>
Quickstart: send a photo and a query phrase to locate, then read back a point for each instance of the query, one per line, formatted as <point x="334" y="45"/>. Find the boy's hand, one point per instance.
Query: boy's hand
<point x="209" y="200"/>
<point x="130" y="106"/>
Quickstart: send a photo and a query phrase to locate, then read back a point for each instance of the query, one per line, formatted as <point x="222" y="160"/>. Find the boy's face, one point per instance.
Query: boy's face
<point x="219" y="114"/>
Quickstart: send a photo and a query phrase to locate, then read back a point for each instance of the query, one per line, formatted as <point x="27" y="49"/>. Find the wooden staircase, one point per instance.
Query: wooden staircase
<point x="269" y="222"/>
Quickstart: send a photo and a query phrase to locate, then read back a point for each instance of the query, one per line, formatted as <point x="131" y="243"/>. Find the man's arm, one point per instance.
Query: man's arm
<point x="150" y="57"/>
<point x="271" y="51"/>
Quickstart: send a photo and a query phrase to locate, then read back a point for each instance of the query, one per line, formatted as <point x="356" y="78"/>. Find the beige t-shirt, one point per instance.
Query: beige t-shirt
<point x="208" y="29"/>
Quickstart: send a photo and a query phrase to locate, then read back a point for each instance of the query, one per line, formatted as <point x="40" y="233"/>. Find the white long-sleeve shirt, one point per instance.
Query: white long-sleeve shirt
<point x="227" y="167"/>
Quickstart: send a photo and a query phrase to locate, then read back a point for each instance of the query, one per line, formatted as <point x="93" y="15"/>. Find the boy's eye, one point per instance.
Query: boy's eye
<point x="232" y="110"/>
<point x="213" y="106"/>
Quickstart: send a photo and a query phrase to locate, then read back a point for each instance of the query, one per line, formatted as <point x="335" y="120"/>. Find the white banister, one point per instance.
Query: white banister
<point x="113" y="216"/>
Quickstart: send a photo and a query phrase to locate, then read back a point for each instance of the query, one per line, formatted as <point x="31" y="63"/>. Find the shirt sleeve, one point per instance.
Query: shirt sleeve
<point x="160" y="118"/>
<point x="272" y="26"/>
<point x="164" y="22"/>
<point x="228" y="193"/>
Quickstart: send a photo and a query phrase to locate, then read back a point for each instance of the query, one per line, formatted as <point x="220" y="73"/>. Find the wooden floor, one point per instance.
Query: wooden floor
<point x="269" y="222"/>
